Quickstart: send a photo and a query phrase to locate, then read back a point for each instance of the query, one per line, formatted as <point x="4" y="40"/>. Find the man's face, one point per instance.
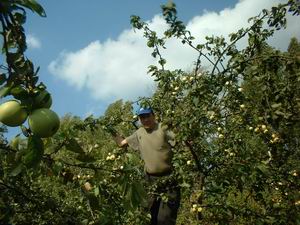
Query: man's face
<point x="147" y="120"/>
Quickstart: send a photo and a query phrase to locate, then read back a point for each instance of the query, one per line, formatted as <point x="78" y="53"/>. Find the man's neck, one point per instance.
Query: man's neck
<point x="149" y="129"/>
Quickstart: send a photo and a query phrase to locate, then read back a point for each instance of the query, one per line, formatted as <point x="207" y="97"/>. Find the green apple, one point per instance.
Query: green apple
<point x="42" y="99"/>
<point x="12" y="113"/>
<point x="43" y="122"/>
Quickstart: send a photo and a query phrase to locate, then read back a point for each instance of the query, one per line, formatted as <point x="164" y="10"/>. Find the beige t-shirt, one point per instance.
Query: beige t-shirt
<point x="155" y="148"/>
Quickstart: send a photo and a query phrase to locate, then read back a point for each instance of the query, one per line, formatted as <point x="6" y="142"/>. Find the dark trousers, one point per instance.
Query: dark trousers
<point x="163" y="212"/>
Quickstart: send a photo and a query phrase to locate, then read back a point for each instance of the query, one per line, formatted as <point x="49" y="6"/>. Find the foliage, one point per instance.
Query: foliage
<point x="236" y="123"/>
<point x="81" y="179"/>
<point x="71" y="178"/>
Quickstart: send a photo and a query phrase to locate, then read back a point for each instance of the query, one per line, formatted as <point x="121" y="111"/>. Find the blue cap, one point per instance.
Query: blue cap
<point x="144" y="111"/>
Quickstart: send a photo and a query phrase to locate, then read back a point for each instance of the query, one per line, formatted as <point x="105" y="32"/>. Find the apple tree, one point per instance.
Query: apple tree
<point x="237" y="126"/>
<point x="236" y="120"/>
<point x="72" y="177"/>
<point x="26" y="98"/>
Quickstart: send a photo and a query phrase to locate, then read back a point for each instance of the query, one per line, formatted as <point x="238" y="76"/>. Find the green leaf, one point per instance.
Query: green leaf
<point x="34" y="6"/>
<point x="93" y="201"/>
<point x="57" y="168"/>
<point x="124" y="184"/>
<point x="4" y="91"/>
<point x="263" y="168"/>
<point x="85" y="158"/>
<point x="85" y="222"/>
<point x="19" y="92"/>
<point x="137" y="194"/>
<point x="35" y="151"/>
<point x="72" y="145"/>
<point x="196" y="101"/>
<point x="150" y="43"/>
<point x="17" y="170"/>
<point x="276" y="105"/>
<point x="185" y="185"/>
<point x="96" y="191"/>
<point x="20" y="18"/>
<point x="15" y="59"/>
<point x="233" y="36"/>
<point x="280" y="113"/>
<point x="2" y="78"/>
<point x="110" y="129"/>
<point x="132" y="158"/>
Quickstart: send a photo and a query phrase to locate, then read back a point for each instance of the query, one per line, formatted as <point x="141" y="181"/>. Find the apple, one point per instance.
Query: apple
<point x="42" y="99"/>
<point x="12" y="113"/>
<point x="43" y="122"/>
<point x="87" y="186"/>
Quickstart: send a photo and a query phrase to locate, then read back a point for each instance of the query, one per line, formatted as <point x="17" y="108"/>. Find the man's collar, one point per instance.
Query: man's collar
<point x="149" y="130"/>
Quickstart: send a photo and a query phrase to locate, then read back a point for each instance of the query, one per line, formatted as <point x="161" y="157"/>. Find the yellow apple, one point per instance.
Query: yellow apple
<point x="12" y="113"/>
<point x="87" y="186"/>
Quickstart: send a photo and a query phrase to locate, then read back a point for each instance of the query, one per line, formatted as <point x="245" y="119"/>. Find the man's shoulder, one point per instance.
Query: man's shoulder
<point x="141" y="128"/>
<point x="163" y="126"/>
<point x="140" y="131"/>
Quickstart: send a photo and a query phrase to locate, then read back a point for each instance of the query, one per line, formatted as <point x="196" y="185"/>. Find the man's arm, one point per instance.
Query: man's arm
<point x="131" y="141"/>
<point x="121" y="142"/>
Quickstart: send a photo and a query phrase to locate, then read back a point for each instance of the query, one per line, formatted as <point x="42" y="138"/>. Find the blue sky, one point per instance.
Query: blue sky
<point x="72" y="25"/>
<point x="89" y="56"/>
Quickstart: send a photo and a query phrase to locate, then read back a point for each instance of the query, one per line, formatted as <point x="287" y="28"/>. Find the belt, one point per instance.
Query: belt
<point x="163" y="181"/>
<point x="162" y="174"/>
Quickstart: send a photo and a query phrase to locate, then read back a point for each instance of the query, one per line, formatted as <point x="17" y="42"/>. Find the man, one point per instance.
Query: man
<point x="155" y="144"/>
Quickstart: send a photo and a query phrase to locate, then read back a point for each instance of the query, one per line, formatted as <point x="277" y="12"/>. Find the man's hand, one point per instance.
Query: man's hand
<point x="121" y="142"/>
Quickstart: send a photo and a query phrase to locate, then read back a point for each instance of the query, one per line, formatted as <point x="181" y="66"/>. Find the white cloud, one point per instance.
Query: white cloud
<point x="32" y="41"/>
<point x="118" y="68"/>
<point x="112" y="70"/>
